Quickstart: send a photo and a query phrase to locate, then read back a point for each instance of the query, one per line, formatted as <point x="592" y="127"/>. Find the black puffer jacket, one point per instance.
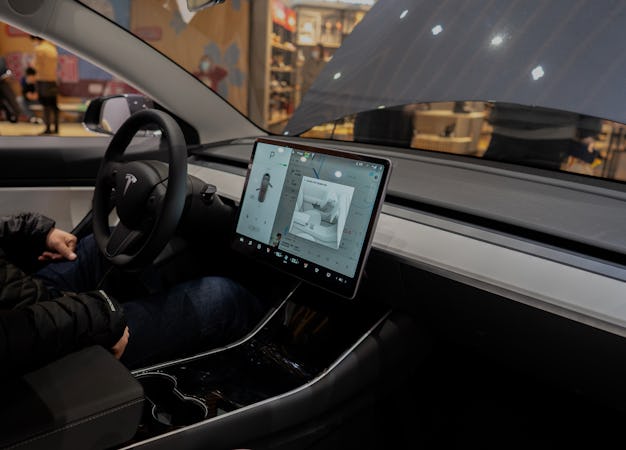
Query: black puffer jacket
<point x="35" y="328"/>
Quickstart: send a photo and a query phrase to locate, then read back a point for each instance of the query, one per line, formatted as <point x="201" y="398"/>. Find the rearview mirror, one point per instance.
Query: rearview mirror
<point x="107" y="114"/>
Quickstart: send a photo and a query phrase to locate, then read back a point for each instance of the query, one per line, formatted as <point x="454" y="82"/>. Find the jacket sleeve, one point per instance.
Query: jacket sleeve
<point x="23" y="236"/>
<point x="35" y="335"/>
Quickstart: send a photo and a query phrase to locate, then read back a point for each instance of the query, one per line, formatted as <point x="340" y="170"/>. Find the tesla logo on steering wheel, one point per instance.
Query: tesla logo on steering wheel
<point x="130" y="179"/>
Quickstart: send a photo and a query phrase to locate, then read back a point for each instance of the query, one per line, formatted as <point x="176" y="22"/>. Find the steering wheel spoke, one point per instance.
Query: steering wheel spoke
<point x="109" y="172"/>
<point x="123" y="240"/>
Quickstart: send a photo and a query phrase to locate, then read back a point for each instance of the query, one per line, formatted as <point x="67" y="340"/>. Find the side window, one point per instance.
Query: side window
<point x="45" y="89"/>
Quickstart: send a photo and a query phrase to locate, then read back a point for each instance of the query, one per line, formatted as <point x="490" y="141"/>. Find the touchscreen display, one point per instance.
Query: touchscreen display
<point x="311" y="211"/>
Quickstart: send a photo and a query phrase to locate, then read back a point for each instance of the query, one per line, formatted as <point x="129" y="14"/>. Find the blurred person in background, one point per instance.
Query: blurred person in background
<point x="8" y="101"/>
<point x="45" y="64"/>
<point x="28" y="84"/>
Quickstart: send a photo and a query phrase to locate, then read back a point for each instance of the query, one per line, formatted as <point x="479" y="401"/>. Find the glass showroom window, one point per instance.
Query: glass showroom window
<point x="69" y="79"/>
<point x="522" y="135"/>
<point x="261" y="56"/>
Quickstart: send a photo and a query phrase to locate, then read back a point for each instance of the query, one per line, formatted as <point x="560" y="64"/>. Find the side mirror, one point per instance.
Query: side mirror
<point x="107" y="114"/>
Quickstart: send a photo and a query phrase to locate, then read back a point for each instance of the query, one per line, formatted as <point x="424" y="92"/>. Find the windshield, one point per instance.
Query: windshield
<point x="260" y="56"/>
<point x="505" y="81"/>
<point x="407" y="74"/>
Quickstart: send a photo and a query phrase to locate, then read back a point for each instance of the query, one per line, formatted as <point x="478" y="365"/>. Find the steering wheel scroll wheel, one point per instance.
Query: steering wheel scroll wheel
<point x="148" y="195"/>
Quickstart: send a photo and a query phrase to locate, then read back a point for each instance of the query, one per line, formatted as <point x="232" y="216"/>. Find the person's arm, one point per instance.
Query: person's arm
<point x="38" y="334"/>
<point x="31" y="96"/>
<point x="25" y="233"/>
<point x="28" y="237"/>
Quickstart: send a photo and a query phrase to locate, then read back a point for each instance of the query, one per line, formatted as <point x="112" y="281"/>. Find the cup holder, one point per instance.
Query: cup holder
<point x="166" y="404"/>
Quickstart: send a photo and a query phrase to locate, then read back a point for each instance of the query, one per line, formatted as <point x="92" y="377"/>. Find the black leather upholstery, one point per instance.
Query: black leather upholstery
<point x="86" y="400"/>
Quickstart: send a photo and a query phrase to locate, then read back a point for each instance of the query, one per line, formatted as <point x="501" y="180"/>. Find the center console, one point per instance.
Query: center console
<point x="306" y="221"/>
<point x="303" y="359"/>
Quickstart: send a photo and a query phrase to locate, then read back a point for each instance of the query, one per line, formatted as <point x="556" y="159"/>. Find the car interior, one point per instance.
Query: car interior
<point x="412" y="299"/>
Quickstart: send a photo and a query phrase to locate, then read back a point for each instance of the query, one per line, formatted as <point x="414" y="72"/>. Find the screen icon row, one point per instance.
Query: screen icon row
<point x="287" y="258"/>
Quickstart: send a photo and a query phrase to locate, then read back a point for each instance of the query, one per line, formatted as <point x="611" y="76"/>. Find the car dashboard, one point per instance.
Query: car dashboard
<point x="432" y="277"/>
<point x="442" y="293"/>
<point x="555" y="253"/>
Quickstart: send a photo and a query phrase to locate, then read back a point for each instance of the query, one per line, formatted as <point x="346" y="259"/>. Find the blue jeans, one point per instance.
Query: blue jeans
<point x="192" y="316"/>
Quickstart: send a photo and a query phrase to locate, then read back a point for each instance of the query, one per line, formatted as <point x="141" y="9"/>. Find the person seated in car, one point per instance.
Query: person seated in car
<point x="61" y="307"/>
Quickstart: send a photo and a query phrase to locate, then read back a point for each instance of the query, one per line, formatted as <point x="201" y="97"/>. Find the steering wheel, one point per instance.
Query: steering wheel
<point x="148" y="195"/>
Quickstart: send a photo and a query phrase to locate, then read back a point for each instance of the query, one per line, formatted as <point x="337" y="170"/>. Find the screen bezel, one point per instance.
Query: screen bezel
<point x="350" y="288"/>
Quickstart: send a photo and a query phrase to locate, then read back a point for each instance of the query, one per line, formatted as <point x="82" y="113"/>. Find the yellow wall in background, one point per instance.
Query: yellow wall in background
<point x="222" y="32"/>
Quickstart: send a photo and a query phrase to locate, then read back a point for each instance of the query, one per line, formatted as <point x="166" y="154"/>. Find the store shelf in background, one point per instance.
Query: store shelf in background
<point x="282" y="90"/>
<point x="447" y="113"/>
<point x="340" y="132"/>
<point x="288" y="47"/>
<point x="448" y="131"/>
<point x="326" y="45"/>
<point x="459" y="145"/>
<point x="281" y="69"/>
<point x="436" y="122"/>
<point x="327" y="23"/>
<point x="278" y="118"/>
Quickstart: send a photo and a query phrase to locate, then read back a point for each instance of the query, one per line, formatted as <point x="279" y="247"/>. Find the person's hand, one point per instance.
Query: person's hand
<point x="60" y="244"/>
<point x="120" y="346"/>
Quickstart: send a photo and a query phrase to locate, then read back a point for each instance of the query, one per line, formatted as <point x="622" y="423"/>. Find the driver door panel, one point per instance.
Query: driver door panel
<point x="56" y="175"/>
